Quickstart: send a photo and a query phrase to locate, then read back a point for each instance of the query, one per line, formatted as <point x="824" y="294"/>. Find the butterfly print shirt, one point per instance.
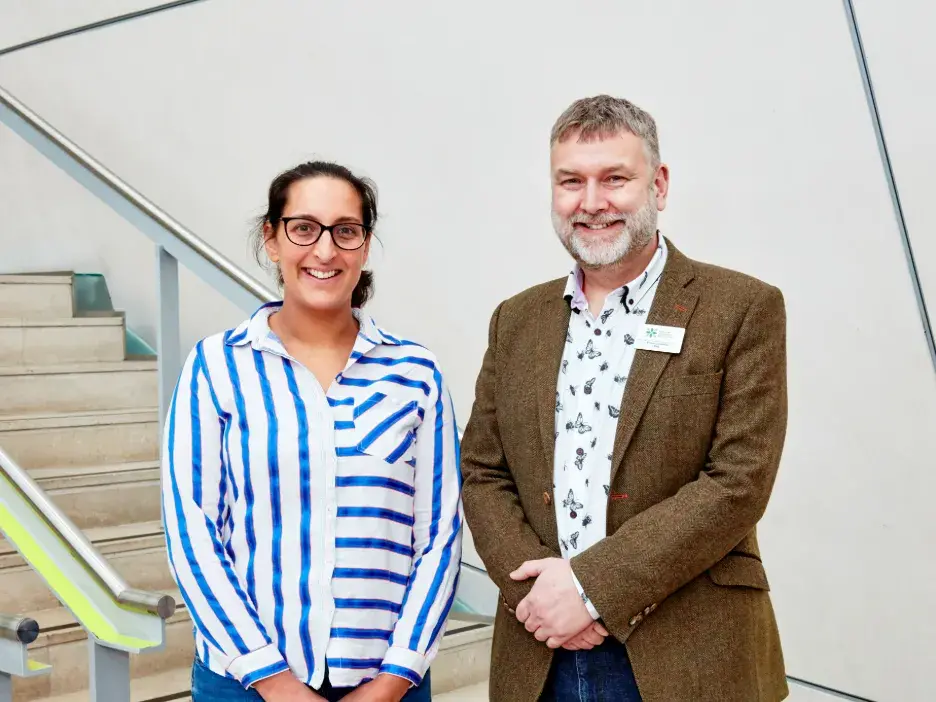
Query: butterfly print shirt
<point x="599" y="351"/>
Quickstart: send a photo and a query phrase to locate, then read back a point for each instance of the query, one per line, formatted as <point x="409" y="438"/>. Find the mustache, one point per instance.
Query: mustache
<point x="605" y="218"/>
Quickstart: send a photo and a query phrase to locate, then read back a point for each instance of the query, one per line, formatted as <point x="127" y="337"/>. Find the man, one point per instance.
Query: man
<point x="624" y="441"/>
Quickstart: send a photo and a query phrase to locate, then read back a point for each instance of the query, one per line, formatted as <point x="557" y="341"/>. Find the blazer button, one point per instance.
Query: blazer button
<point x="633" y="621"/>
<point x="547" y="498"/>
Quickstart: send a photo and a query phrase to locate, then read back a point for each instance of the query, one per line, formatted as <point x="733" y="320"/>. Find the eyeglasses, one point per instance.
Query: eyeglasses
<point x="303" y="231"/>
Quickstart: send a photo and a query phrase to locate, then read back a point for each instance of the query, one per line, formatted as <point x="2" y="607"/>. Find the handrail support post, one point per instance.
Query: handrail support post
<point x="168" y="343"/>
<point x="109" y="673"/>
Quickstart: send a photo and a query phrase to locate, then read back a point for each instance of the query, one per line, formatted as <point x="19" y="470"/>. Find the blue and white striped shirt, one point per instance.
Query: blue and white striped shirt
<point x="308" y="528"/>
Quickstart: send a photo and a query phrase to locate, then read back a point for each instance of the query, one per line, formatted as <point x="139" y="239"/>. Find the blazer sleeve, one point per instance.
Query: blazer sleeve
<point x="663" y="548"/>
<point x="502" y="535"/>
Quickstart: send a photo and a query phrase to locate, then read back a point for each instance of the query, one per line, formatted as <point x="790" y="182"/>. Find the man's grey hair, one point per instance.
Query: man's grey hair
<point x="604" y="116"/>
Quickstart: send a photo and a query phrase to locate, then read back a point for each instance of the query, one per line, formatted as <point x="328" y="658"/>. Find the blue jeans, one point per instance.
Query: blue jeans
<point x="603" y="674"/>
<point x="211" y="687"/>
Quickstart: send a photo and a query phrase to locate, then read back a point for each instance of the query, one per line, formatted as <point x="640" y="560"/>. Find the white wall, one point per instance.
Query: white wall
<point x="898" y="40"/>
<point x="775" y="172"/>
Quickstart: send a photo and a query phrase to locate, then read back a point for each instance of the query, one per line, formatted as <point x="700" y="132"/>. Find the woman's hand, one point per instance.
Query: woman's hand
<point x="383" y="688"/>
<point x="285" y="687"/>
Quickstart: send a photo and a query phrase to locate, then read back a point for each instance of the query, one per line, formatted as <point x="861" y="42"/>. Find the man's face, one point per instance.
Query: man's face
<point x="605" y="197"/>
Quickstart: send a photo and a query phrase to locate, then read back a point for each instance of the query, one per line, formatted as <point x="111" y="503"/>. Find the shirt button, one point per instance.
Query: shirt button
<point x="597" y="332"/>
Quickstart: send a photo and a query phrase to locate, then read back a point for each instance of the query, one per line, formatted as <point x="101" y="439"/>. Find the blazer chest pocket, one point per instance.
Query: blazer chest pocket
<point x="680" y="385"/>
<point x="387" y="430"/>
<point x="736" y="570"/>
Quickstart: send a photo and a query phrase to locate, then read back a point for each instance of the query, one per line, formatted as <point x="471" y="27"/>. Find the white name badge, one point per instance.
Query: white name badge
<point x="656" y="337"/>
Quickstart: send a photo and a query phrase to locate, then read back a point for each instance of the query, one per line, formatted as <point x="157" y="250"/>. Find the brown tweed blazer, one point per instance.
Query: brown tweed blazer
<point x="679" y="578"/>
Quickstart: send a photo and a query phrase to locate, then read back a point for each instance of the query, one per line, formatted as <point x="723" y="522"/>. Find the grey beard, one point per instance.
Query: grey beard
<point x="639" y="230"/>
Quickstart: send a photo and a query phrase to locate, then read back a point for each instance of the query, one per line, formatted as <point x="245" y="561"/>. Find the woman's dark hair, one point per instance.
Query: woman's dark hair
<point x="276" y="201"/>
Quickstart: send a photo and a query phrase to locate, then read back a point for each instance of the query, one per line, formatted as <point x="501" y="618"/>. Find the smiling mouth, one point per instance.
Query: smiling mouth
<point x="320" y="275"/>
<point x="597" y="227"/>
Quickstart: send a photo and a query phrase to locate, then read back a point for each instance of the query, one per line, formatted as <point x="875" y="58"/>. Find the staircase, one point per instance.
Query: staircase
<point x="80" y="414"/>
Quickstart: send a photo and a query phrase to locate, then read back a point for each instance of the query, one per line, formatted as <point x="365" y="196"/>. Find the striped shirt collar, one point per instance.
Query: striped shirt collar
<point x="256" y="330"/>
<point x="575" y="294"/>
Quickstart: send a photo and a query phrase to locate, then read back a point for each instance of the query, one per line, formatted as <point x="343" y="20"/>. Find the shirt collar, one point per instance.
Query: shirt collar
<point x="256" y="331"/>
<point x="575" y="295"/>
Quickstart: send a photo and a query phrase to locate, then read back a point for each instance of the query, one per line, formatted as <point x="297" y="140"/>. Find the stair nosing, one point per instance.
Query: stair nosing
<point x="99" y="536"/>
<point x="127" y="366"/>
<point x="57" y="278"/>
<point x="60" y="472"/>
<point x="57" y="322"/>
<point x="60" y="420"/>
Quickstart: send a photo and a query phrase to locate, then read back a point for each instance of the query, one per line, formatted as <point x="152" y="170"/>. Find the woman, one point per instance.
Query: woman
<point x="310" y="473"/>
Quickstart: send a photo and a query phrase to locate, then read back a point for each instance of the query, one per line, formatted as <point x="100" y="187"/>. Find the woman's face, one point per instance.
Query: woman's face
<point x="320" y="276"/>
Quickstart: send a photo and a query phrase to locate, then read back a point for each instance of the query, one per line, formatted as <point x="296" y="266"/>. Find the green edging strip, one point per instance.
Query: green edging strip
<point x="459" y="607"/>
<point x="92" y="295"/>
<point x="88" y="615"/>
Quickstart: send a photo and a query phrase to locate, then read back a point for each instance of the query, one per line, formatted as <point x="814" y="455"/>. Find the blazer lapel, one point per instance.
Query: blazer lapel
<point x="550" y="344"/>
<point x="672" y="305"/>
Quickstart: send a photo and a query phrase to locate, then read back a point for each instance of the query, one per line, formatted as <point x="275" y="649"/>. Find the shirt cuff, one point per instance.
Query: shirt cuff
<point x="255" y="666"/>
<point x="588" y="604"/>
<point x="405" y="663"/>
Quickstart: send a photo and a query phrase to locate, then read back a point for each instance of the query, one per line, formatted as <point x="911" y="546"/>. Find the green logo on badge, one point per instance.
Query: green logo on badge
<point x="651" y="332"/>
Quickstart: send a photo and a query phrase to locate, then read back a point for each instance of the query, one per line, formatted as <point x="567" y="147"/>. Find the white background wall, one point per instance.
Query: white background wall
<point x="775" y="172"/>
<point x="898" y="40"/>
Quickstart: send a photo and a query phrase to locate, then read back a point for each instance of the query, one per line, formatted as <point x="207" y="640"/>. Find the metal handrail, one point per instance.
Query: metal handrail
<point x="21" y="629"/>
<point x="151" y="602"/>
<point x="132" y="196"/>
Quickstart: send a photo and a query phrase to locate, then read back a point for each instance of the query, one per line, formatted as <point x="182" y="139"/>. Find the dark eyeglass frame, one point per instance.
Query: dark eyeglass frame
<point x="287" y="220"/>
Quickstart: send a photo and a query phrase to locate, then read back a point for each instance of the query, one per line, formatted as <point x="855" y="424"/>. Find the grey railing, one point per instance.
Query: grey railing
<point x="120" y="620"/>
<point x="152" y="602"/>
<point x="21" y="629"/>
<point x="16" y="633"/>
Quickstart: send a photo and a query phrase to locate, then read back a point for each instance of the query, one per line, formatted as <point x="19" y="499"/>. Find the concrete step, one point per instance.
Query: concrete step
<point x="101" y="496"/>
<point x="472" y="693"/>
<point x="171" y="685"/>
<point x="28" y="342"/>
<point x="78" y="387"/>
<point x="81" y="438"/>
<point x="463" y="659"/>
<point x="45" y="296"/>
<point x="137" y="551"/>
